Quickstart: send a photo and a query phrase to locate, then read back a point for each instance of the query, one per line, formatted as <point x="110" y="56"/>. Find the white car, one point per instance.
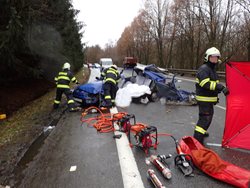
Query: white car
<point x="106" y="62"/>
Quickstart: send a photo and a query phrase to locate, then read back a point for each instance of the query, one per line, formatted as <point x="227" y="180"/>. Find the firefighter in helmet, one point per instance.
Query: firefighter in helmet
<point x="111" y="78"/>
<point x="63" y="80"/>
<point x="207" y="89"/>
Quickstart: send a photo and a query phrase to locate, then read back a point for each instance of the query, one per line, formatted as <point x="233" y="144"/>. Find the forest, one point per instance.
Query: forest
<point x="37" y="37"/>
<point x="176" y="34"/>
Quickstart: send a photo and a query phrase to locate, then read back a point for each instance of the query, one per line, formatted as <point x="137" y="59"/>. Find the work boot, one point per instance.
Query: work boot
<point x="55" y="106"/>
<point x="200" y="137"/>
<point x="206" y="134"/>
<point x="108" y="104"/>
<point x="75" y="109"/>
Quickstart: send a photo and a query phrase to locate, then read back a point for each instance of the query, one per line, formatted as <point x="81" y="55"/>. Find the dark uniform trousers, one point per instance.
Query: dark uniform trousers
<point x="206" y="112"/>
<point x="62" y="81"/>
<point x="68" y="93"/>
<point x="110" y="90"/>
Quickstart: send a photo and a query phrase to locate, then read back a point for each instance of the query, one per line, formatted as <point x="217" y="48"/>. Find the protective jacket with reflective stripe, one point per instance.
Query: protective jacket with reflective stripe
<point x="64" y="78"/>
<point x="207" y="83"/>
<point x="111" y="75"/>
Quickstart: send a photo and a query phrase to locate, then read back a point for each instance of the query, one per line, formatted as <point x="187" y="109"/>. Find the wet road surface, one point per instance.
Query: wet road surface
<point x="75" y="155"/>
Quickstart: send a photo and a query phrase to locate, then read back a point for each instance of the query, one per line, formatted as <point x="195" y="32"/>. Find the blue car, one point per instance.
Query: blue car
<point x="160" y="84"/>
<point x="89" y="94"/>
<point x="147" y="75"/>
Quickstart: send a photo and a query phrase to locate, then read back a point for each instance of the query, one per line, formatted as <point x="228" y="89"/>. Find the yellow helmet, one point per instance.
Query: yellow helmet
<point x="66" y="65"/>
<point x="211" y="52"/>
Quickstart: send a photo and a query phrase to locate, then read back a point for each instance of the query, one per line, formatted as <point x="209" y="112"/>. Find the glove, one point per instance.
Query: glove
<point x="225" y="91"/>
<point x="219" y="87"/>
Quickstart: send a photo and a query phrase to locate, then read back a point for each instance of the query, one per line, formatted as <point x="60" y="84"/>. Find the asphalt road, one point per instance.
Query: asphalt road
<point x="75" y="155"/>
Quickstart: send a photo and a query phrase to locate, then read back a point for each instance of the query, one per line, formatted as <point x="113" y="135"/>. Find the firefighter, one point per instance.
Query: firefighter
<point x="111" y="77"/>
<point x="62" y="83"/>
<point x="207" y="89"/>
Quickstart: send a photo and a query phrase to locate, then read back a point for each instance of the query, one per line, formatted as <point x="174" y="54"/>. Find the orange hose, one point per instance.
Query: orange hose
<point x="102" y="123"/>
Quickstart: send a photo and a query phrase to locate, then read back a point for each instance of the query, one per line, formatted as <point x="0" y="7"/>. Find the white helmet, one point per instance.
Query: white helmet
<point x="66" y="65"/>
<point x="114" y="66"/>
<point x="211" y="52"/>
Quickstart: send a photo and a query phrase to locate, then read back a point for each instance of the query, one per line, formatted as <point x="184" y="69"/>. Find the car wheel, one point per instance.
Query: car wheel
<point x="153" y="97"/>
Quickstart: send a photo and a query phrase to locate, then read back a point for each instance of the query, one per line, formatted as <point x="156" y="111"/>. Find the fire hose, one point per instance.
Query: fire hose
<point x="103" y="123"/>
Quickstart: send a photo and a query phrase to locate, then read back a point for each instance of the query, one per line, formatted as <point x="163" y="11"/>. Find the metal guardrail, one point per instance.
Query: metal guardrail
<point x="191" y="72"/>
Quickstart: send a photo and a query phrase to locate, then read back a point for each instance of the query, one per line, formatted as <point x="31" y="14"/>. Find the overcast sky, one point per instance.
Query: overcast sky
<point x="106" y="19"/>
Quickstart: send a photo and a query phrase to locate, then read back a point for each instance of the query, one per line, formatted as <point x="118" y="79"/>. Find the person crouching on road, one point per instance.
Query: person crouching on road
<point x="207" y="89"/>
<point x="62" y="84"/>
<point x="111" y="78"/>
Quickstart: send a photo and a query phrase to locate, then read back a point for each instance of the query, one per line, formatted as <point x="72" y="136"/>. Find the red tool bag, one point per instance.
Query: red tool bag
<point x="211" y="164"/>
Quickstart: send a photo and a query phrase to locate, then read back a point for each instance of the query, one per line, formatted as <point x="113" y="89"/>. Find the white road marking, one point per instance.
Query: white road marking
<point x="221" y="107"/>
<point x="72" y="168"/>
<point x="214" y="144"/>
<point x="130" y="174"/>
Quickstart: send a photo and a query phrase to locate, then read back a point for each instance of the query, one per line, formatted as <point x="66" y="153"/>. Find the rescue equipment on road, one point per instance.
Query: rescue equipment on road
<point x="160" y="166"/>
<point x="183" y="160"/>
<point x="124" y="122"/>
<point x="143" y="136"/>
<point x="104" y="122"/>
<point x="211" y="164"/>
<point x="154" y="179"/>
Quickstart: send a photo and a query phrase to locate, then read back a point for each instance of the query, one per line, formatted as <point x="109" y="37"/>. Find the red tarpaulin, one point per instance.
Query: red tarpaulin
<point x="209" y="162"/>
<point x="237" y="126"/>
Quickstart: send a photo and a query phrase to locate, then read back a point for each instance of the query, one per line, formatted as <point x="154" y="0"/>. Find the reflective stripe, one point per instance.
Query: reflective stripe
<point x="73" y="79"/>
<point x="197" y="80"/>
<point x="110" y="79"/>
<point x="203" y="82"/>
<point x="113" y="100"/>
<point x="62" y="86"/>
<point x="200" y="129"/>
<point x="112" y="71"/>
<point x="70" y="101"/>
<point x="212" y="85"/>
<point x="107" y="97"/>
<point x="64" y="78"/>
<point x="56" y="102"/>
<point x="63" y="73"/>
<point x="56" y="79"/>
<point x="206" y="99"/>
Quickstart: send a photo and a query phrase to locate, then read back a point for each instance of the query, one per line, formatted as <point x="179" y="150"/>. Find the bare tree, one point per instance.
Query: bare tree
<point x="246" y="6"/>
<point x="178" y="34"/>
<point x="157" y="16"/>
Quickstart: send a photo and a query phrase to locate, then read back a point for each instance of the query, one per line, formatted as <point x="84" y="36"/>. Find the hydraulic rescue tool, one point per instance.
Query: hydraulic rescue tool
<point x="183" y="161"/>
<point x="160" y="166"/>
<point x="143" y="136"/>
<point x="125" y="122"/>
<point x="153" y="178"/>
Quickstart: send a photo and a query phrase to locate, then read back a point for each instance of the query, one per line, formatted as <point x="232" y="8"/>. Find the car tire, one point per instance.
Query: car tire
<point x="153" y="97"/>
